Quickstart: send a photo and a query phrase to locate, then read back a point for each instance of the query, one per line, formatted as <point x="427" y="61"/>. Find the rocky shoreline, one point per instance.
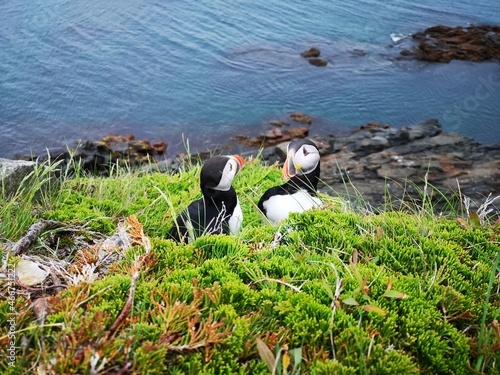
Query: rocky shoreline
<point x="437" y="44"/>
<point x="375" y="163"/>
<point x="444" y="43"/>
<point x="405" y="161"/>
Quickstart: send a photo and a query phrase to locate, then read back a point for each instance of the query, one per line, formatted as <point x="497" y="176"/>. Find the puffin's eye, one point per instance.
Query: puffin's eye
<point x="230" y="167"/>
<point x="305" y="152"/>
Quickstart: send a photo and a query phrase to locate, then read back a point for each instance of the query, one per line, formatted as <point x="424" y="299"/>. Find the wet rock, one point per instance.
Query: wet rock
<point x="100" y="156"/>
<point x="376" y="163"/>
<point x="318" y="62"/>
<point x="312" y="56"/>
<point x="443" y="44"/>
<point x="311" y="52"/>
<point x="272" y="155"/>
<point x="273" y="134"/>
<point x="373" y="144"/>
<point x="373" y="137"/>
<point x="301" y="118"/>
<point x="372" y="126"/>
<point x="141" y="147"/>
<point x="425" y="129"/>
<point x="272" y="137"/>
<point x="160" y="147"/>
<point x="12" y="174"/>
<point x="277" y="135"/>
<point x="278" y="123"/>
<point x="296" y="133"/>
<point x="358" y="52"/>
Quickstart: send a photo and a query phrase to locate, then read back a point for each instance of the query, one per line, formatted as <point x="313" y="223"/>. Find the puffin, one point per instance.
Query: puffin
<point x="218" y="211"/>
<point x="299" y="193"/>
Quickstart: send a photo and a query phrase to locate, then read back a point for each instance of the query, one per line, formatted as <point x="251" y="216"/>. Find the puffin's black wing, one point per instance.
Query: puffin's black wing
<point x="219" y="207"/>
<point x="205" y="217"/>
<point x="179" y="231"/>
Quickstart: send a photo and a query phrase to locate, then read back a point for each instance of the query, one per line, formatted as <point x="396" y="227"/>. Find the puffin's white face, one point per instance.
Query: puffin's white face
<point x="231" y="168"/>
<point x="306" y="159"/>
<point x="301" y="159"/>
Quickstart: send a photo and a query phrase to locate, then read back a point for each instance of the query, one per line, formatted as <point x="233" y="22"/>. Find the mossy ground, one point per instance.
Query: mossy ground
<point x="330" y="291"/>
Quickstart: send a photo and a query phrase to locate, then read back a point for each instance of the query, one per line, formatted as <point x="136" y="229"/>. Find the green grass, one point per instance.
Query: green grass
<point x="330" y="291"/>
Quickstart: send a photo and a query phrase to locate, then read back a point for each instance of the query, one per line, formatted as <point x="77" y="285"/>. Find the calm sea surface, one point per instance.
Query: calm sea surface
<point x="210" y="69"/>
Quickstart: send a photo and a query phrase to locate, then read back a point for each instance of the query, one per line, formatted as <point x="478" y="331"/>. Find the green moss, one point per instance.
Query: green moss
<point x="306" y="320"/>
<point x="436" y="344"/>
<point x="386" y="361"/>
<point x="216" y="246"/>
<point x="169" y="256"/>
<point x="328" y="367"/>
<point x="150" y="359"/>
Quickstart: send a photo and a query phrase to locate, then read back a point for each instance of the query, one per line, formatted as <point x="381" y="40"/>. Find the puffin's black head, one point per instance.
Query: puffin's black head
<point x="302" y="158"/>
<point x="218" y="172"/>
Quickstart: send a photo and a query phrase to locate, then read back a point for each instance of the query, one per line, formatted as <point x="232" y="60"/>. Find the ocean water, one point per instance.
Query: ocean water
<point x="209" y="69"/>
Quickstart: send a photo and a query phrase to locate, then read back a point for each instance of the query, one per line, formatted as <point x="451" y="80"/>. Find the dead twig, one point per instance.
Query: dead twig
<point x="125" y="369"/>
<point x="188" y="347"/>
<point x="32" y="235"/>
<point x="128" y="305"/>
<point x="297" y="289"/>
<point x="38" y="288"/>
<point x="136" y="230"/>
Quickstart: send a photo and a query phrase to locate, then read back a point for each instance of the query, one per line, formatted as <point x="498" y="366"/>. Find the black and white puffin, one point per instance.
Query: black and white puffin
<point x="298" y="194"/>
<point x="218" y="211"/>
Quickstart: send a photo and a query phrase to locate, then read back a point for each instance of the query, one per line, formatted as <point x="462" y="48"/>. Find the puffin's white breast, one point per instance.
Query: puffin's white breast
<point x="236" y="219"/>
<point x="278" y="207"/>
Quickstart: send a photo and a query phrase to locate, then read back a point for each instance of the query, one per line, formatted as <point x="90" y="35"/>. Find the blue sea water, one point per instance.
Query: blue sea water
<point x="209" y="69"/>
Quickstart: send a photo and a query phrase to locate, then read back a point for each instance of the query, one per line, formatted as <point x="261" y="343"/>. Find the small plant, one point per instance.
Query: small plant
<point x="34" y="194"/>
<point x="488" y="342"/>
<point x="479" y="218"/>
<point x="284" y="361"/>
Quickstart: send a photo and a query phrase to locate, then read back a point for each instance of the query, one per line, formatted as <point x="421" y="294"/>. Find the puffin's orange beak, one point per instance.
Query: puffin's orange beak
<point x="288" y="167"/>
<point x="240" y="161"/>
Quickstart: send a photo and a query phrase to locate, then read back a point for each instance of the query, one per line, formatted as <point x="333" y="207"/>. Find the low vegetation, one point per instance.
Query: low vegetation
<point x="331" y="291"/>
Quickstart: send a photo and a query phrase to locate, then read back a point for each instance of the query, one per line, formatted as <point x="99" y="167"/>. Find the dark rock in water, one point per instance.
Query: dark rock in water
<point x="444" y="43"/>
<point x="272" y="137"/>
<point x="275" y="135"/>
<point x="312" y="55"/>
<point x="374" y="126"/>
<point x="160" y="147"/>
<point x="100" y="156"/>
<point x="278" y="123"/>
<point x="358" y="52"/>
<point x="318" y="62"/>
<point x="301" y="118"/>
<point x="311" y="52"/>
